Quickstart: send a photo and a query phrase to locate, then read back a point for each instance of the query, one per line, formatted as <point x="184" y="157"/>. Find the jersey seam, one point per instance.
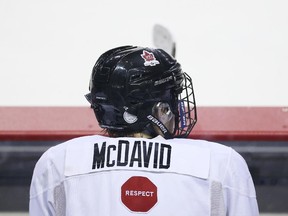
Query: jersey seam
<point x="51" y="164"/>
<point x="228" y="164"/>
<point x="47" y="189"/>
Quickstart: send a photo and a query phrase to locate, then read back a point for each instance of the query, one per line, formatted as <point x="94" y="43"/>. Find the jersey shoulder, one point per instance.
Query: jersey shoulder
<point x="54" y="157"/>
<point x="220" y="156"/>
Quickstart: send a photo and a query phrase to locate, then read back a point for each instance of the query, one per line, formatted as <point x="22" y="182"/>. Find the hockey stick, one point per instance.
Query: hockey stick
<point x="162" y="38"/>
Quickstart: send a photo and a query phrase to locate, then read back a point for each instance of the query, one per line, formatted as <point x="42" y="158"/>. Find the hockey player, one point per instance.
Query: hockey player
<point x="143" y="164"/>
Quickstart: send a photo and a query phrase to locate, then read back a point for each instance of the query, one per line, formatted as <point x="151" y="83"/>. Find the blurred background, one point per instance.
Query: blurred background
<point x="235" y="52"/>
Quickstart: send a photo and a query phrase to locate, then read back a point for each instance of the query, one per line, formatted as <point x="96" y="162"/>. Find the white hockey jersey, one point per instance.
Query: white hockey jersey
<point x="97" y="175"/>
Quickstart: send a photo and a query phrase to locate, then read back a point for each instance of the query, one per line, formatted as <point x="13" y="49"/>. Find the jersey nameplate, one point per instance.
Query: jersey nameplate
<point x="134" y="154"/>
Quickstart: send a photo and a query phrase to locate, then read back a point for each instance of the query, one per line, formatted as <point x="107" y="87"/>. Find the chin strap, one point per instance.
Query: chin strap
<point x="160" y="126"/>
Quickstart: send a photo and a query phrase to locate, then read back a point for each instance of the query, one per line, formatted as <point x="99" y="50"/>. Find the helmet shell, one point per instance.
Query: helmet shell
<point x="127" y="81"/>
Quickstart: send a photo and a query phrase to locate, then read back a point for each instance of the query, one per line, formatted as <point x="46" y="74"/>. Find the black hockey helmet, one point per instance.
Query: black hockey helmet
<point x="128" y="82"/>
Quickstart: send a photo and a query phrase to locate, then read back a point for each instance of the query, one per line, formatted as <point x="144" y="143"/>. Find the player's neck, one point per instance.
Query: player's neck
<point x="141" y="135"/>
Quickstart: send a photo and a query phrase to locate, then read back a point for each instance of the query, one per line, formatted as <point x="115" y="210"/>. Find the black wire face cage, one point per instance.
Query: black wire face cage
<point x="186" y="108"/>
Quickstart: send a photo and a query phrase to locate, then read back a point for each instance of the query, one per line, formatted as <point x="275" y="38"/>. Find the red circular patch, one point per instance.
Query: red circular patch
<point x="139" y="194"/>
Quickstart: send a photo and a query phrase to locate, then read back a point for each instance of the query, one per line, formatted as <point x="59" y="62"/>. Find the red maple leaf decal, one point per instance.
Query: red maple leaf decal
<point x="148" y="56"/>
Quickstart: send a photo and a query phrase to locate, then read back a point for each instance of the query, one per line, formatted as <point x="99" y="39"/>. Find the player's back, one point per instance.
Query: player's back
<point x="97" y="175"/>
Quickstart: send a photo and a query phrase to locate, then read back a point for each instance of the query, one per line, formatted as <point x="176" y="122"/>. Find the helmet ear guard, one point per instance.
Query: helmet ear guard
<point x="185" y="117"/>
<point x="133" y="93"/>
<point x="162" y="113"/>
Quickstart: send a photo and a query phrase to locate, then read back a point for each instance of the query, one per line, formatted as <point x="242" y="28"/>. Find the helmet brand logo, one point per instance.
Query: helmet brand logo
<point x="164" y="80"/>
<point x="149" y="58"/>
<point x="158" y="123"/>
